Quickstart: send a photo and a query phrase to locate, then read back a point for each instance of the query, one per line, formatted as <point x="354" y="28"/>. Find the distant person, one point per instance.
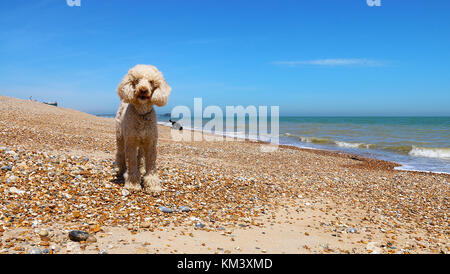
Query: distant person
<point x="176" y="125"/>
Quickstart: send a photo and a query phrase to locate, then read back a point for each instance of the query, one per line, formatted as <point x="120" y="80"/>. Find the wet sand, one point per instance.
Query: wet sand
<point x="57" y="175"/>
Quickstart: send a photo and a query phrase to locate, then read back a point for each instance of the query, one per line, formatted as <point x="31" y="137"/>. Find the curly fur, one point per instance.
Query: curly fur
<point x="136" y="127"/>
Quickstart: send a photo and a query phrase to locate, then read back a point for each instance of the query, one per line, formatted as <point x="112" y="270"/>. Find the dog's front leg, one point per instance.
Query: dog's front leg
<point x="151" y="181"/>
<point x="132" y="176"/>
<point x="141" y="161"/>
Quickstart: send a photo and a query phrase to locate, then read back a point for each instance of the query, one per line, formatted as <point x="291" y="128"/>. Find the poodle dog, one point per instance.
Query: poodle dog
<point x="136" y="129"/>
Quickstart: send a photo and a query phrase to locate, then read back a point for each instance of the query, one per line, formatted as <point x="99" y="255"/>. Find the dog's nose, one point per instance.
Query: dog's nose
<point x="143" y="91"/>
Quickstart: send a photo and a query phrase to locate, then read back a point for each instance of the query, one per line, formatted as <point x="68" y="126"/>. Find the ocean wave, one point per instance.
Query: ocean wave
<point x="443" y="153"/>
<point x="406" y="149"/>
<point x="402" y="149"/>
<point x="354" y="145"/>
<point x="327" y="141"/>
<point x="316" y="140"/>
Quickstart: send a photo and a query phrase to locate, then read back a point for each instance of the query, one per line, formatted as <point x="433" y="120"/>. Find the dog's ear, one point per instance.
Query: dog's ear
<point x="161" y="93"/>
<point x="125" y="90"/>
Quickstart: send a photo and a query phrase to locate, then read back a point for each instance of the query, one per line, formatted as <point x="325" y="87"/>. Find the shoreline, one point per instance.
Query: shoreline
<point x="57" y="174"/>
<point x="386" y="163"/>
<point x="380" y="155"/>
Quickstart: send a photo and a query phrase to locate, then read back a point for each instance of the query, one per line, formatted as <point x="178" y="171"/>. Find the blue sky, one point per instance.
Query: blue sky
<point x="322" y="57"/>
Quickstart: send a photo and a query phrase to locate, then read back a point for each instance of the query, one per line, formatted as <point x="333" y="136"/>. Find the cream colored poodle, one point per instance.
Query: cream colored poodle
<point x="136" y="128"/>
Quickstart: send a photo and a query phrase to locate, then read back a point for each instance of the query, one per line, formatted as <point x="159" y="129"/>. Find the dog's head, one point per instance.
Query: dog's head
<point x="144" y="84"/>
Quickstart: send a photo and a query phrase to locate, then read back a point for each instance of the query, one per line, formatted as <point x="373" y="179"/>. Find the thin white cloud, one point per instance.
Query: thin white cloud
<point x="334" y="62"/>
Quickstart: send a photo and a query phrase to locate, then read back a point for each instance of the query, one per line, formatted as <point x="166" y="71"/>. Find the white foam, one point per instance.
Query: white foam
<point x="410" y="168"/>
<point x="348" y="145"/>
<point x="442" y="153"/>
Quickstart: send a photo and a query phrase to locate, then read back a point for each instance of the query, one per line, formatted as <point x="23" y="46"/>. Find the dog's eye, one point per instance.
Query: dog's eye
<point x="134" y="81"/>
<point x="154" y="85"/>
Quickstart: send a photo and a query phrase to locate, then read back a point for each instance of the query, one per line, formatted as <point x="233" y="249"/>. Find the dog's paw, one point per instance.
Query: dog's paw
<point x="152" y="185"/>
<point x="132" y="187"/>
<point x="132" y="182"/>
<point x="120" y="176"/>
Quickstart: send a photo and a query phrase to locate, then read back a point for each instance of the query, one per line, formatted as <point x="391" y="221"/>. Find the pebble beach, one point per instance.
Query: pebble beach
<point x="59" y="194"/>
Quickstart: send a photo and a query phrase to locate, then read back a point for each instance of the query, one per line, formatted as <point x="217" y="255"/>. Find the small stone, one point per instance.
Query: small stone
<point x="102" y="251"/>
<point x="15" y="190"/>
<point x="125" y="192"/>
<point x="44" y="243"/>
<point x="184" y="209"/>
<point x="35" y="250"/>
<point x="165" y="209"/>
<point x="8" y="168"/>
<point x="43" y="233"/>
<point x="145" y="225"/>
<point x="46" y="251"/>
<point x="351" y="230"/>
<point x="78" y="236"/>
<point x="199" y="225"/>
<point x="11" y="152"/>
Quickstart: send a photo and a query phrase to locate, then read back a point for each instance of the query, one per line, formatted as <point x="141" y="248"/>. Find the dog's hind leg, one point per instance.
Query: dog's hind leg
<point x="132" y="176"/>
<point x="151" y="181"/>
<point x="120" y="157"/>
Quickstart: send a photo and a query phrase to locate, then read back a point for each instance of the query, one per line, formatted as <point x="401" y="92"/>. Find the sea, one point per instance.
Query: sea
<point x="415" y="143"/>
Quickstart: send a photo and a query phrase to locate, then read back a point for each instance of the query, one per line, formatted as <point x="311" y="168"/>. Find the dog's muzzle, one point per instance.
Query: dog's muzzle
<point x="143" y="94"/>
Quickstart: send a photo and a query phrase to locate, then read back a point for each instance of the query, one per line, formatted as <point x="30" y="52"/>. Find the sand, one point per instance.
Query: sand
<point x="57" y="175"/>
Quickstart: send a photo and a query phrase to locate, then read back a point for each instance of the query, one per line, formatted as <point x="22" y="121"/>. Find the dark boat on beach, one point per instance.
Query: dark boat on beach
<point x="51" y="104"/>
